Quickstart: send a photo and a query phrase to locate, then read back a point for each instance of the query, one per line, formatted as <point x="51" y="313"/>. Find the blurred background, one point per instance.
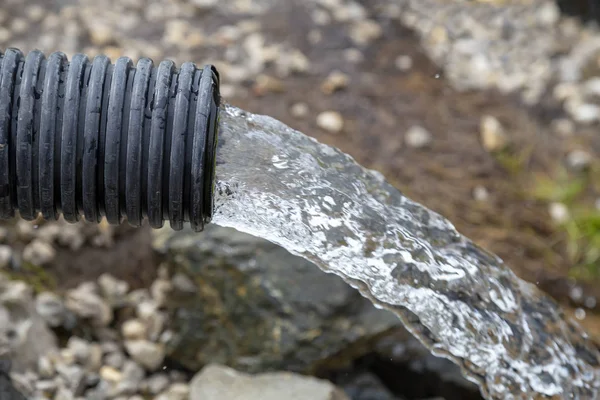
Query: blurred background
<point x="486" y="111"/>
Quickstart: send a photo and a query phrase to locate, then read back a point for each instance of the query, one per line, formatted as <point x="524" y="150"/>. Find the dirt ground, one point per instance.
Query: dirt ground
<point x="379" y="104"/>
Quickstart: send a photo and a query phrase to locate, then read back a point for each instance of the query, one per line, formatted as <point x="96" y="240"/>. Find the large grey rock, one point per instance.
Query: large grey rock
<point x="258" y="308"/>
<point x="217" y="383"/>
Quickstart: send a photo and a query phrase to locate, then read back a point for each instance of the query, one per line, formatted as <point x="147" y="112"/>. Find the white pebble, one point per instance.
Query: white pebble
<point x="299" y="110"/>
<point x="403" y="63"/>
<point x="559" y="212"/>
<point x="417" y="137"/>
<point x="480" y="193"/>
<point x="39" y="253"/>
<point x="492" y="133"/>
<point x="330" y="121"/>
<point x="580" y="314"/>
<point x="5" y="256"/>
<point x="149" y="355"/>
<point x="133" y="329"/>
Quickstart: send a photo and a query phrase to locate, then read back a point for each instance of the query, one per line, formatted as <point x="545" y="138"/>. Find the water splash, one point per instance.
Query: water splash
<point x="460" y="301"/>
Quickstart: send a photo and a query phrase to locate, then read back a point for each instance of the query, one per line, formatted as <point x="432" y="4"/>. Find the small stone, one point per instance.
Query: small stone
<point x="177" y="391"/>
<point x="417" y="137"/>
<point x="492" y="133"/>
<point x="559" y="212"/>
<point x="584" y="113"/>
<point x="320" y="17"/>
<point x="64" y="394"/>
<point x="39" y="253"/>
<point x="579" y="159"/>
<point x="73" y="375"/>
<point x="113" y="289"/>
<point x="133" y="329"/>
<point x="365" y="31"/>
<point x="19" y="25"/>
<point x="480" y="193"/>
<point x="25" y="230"/>
<point x="111" y="374"/>
<point x="314" y="36"/>
<point x="335" y="81"/>
<point x="6" y="256"/>
<point x="101" y="34"/>
<point x="49" y="232"/>
<point x="133" y="376"/>
<point x="353" y="56"/>
<point x="267" y="84"/>
<point x="176" y="31"/>
<point x="330" y="121"/>
<point x="80" y="349"/>
<point x="548" y="14"/>
<point x="45" y="367"/>
<point x="3" y="234"/>
<point x="71" y="235"/>
<point x="205" y="4"/>
<point x="94" y="361"/>
<point x="50" y="307"/>
<point x="146" y="310"/>
<point x="157" y="383"/>
<point x="5" y="35"/>
<point x="36" y="13"/>
<point x="149" y="355"/>
<point x="299" y="110"/>
<point x="563" y="127"/>
<point x="86" y="303"/>
<point x="67" y="357"/>
<point x="403" y="63"/>
<point x="115" y="359"/>
<point x="47" y="386"/>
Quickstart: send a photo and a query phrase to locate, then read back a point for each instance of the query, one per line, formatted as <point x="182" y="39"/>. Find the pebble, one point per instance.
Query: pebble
<point x="45" y="367"/>
<point x="39" y="253"/>
<point x="330" y="121"/>
<point x="492" y="133"/>
<point x="50" y="307"/>
<point x="87" y="304"/>
<point x="559" y="213"/>
<point x="480" y="193"/>
<point x="3" y="234"/>
<point x="205" y="4"/>
<point x="111" y="374"/>
<point x="365" y="31"/>
<point x="181" y="282"/>
<point x="134" y="329"/>
<point x="101" y="34"/>
<point x="563" y="127"/>
<point x="19" y="25"/>
<point x="115" y="359"/>
<point x="157" y="383"/>
<point x="5" y="35"/>
<point x="335" y="81"/>
<point x="403" y="63"/>
<point x="36" y="13"/>
<point x="113" y="289"/>
<point x="579" y="160"/>
<point x="177" y="391"/>
<point x="6" y="255"/>
<point x="80" y="349"/>
<point x="417" y="137"/>
<point x="585" y="113"/>
<point x="353" y="56"/>
<point x="149" y="355"/>
<point x="94" y="361"/>
<point x="299" y="110"/>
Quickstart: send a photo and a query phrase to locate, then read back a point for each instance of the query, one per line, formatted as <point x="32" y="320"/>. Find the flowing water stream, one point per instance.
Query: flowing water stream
<point x="460" y="301"/>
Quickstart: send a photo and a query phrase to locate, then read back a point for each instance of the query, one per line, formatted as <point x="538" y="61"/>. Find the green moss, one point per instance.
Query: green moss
<point x="35" y="276"/>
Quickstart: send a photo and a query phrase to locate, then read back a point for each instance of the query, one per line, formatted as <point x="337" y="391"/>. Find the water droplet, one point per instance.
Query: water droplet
<point x="580" y="314"/>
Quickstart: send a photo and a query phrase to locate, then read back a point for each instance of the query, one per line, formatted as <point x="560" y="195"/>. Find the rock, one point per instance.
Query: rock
<point x="6" y="256"/>
<point x="492" y="133"/>
<point x="160" y="290"/>
<point x="51" y="308"/>
<point x="111" y="374"/>
<point x="80" y="349"/>
<point x="183" y="284"/>
<point x="403" y="63"/>
<point x="71" y="235"/>
<point x="330" y="121"/>
<point x="480" y="193"/>
<point x="216" y="382"/>
<point x="45" y="367"/>
<point x="335" y="81"/>
<point x="177" y="391"/>
<point x="585" y="113"/>
<point x="19" y="25"/>
<point x="101" y="34"/>
<point x="276" y="311"/>
<point x="39" y="253"/>
<point x="73" y="376"/>
<point x="559" y="212"/>
<point x="299" y="110"/>
<point x="365" y="31"/>
<point x="563" y="127"/>
<point x="94" y="361"/>
<point x="134" y="329"/>
<point x="417" y="137"/>
<point x="85" y="302"/>
<point x="205" y="4"/>
<point x="114" y="359"/>
<point x="157" y="383"/>
<point x="149" y="355"/>
<point x="133" y="376"/>
<point x="114" y="290"/>
<point x="3" y="234"/>
<point x="64" y="394"/>
<point x="579" y="160"/>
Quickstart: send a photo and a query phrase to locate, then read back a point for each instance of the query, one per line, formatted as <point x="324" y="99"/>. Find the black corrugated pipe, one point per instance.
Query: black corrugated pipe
<point x="98" y="139"/>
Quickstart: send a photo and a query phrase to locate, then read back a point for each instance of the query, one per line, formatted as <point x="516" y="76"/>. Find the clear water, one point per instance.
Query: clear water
<point x="460" y="301"/>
